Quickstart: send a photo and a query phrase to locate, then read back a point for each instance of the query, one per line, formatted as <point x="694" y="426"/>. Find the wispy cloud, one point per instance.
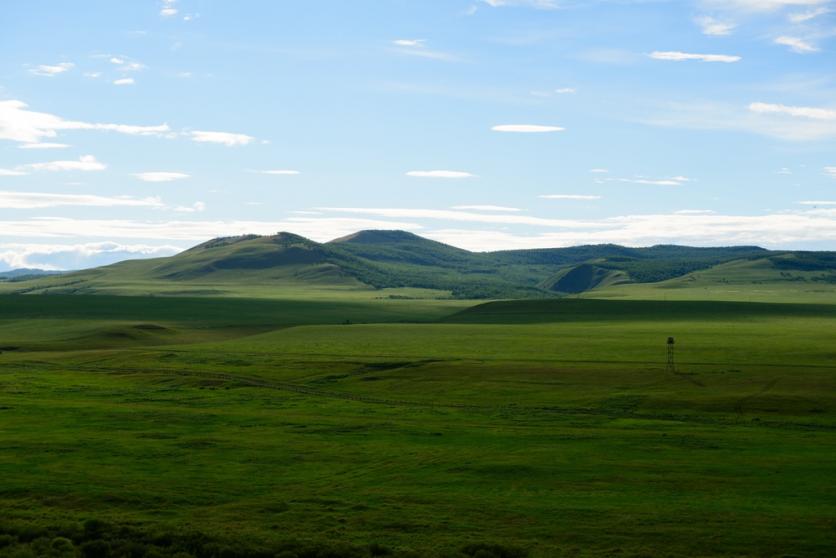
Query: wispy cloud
<point x="792" y="123"/>
<point x="50" y="70"/>
<point x="802" y="17"/>
<point x="124" y="81"/>
<point x="527" y="128"/>
<point x="196" y="207"/>
<point x="168" y="8"/>
<point x="796" y="45"/>
<point x="760" y="5"/>
<point x="569" y="197"/>
<point x="817" y="202"/>
<point x="39" y="200"/>
<point x="715" y="27"/>
<point x="677" y="56"/>
<point x="409" y="43"/>
<point x="440" y="174"/>
<point x="226" y="138"/>
<point x="43" y="145"/>
<point x="537" y="4"/>
<point x="12" y="172"/>
<point x="418" y="47"/>
<point x="599" y="171"/>
<point x="830" y="171"/>
<point x="671" y="181"/>
<point x="280" y="172"/>
<point x="486" y="208"/>
<point x="815" y="113"/>
<point x="25" y="126"/>
<point x="161" y="176"/>
<point x="84" y="163"/>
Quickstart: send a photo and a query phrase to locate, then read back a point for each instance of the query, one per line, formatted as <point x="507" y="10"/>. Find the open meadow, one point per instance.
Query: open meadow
<point x="151" y="426"/>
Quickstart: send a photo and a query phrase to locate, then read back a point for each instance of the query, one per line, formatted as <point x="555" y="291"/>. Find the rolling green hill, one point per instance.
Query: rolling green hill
<point x="398" y="264"/>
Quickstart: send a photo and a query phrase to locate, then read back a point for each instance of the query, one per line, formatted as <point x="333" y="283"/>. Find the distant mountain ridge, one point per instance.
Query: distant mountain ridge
<point x="383" y="259"/>
<point x="25" y="272"/>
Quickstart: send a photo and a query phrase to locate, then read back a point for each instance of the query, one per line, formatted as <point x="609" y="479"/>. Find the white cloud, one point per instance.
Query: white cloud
<point x="92" y="75"/>
<point x="280" y="172"/>
<point x="25" y="126"/>
<point x="12" y="172"/>
<point x="440" y="174"/>
<point x="830" y="171"/>
<point x="418" y="47"/>
<point x="537" y="4"/>
<point x="599" y="171"/>
<point x="569" y="197"/>
<point x="76" y="256"/>
<point x="796" y="45"/>
<point x="815" y="113"/>
<point x="451" y="215"/>
<point x="526" y="128"/>
<point x="778" y="121"/>
<point x="48" y="70"/>
<point x="714" y="27"/>
<point x="196" y="207"/>
<point x="38" y="200"/>
<point x="801" y="17"/>
<point x="84" y="163"/>
<point x="565" y="90"/>
<point x="695" y="212"/>
<point x="160" y="176"/>
<point x="168" y="9"/>
<point x="677" y="56"/>
<point x="126" y="65"/>
<point x="819" y="202"/>
<point x="124" y="81"/>
<point x="225" y="138"/>
<point x="671" y="181"/>
<point x="43" y="145"/>
<point x="413" y="43"/>
<point x="486" y="208"/>
<point x="761" y="5"/>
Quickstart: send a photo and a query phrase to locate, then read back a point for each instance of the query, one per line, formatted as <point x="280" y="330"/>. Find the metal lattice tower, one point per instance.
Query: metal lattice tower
<point x="671" y="366"/>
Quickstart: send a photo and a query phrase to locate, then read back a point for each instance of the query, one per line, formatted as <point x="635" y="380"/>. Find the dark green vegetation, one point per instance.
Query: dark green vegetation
<point x="347" y="424"/>
<point x="399" y="263"/>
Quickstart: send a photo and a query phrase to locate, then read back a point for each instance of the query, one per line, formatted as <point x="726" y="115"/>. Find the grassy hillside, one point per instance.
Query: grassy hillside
<point x="800" y="277"/>
<point x="396" y="263"/>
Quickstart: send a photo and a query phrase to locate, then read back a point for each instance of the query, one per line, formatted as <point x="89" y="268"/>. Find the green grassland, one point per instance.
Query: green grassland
<point x="352" y="424"/>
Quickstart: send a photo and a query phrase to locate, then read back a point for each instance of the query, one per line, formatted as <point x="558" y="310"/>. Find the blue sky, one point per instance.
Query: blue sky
<point x="136" y="129"/>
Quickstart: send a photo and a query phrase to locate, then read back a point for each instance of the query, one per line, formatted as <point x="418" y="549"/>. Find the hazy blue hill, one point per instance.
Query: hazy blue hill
<point x="24" y="273"/>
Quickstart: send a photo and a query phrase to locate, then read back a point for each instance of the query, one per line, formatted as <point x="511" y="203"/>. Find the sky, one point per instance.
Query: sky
<point x="139" y="129"/>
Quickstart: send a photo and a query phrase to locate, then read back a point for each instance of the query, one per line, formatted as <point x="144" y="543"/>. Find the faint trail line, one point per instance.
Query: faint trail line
<point x="738" y="406"/>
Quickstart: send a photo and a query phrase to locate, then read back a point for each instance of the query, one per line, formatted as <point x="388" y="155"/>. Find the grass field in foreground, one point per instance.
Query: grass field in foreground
<point x="551" y="427"/>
